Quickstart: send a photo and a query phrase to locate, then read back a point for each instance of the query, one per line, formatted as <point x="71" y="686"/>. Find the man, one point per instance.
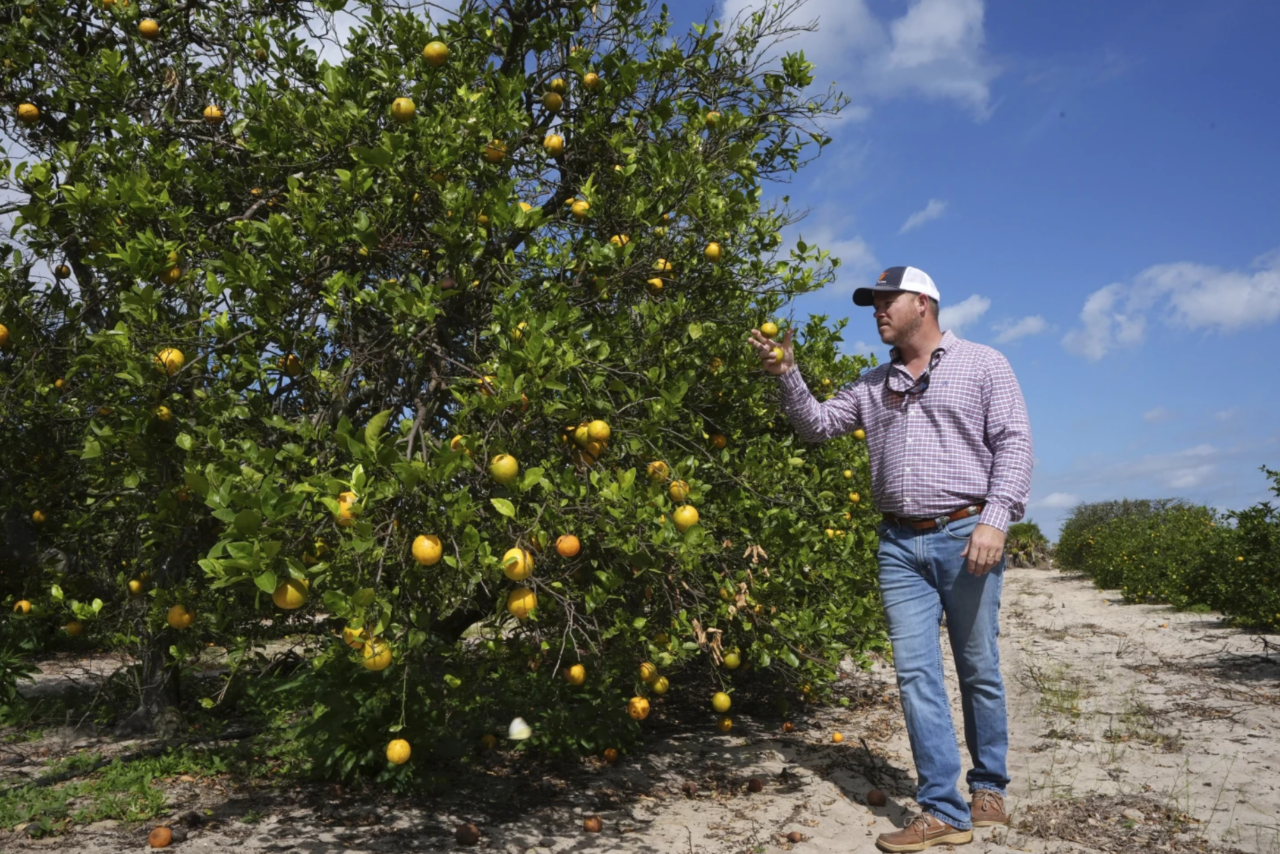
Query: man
<point x="950" y="448"/>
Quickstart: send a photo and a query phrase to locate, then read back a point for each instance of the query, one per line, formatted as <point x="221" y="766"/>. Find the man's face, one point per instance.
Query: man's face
<point x="897" y="317"/>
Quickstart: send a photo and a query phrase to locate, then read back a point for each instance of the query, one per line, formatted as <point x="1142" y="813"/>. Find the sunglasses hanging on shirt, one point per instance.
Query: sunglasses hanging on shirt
<point x="919" y="384"/>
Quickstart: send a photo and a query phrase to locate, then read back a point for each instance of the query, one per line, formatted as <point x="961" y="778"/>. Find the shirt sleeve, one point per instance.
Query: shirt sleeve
<point x="1008" y="436"/>
<point x="817" y="422"/>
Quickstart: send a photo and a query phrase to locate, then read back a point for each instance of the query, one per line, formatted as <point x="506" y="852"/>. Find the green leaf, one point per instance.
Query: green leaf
<point x="695" y="331"/>
<point x="373" y="430"/>
<point x="248" y="522"/>
<point x="184" y="441"/>
<point x="503" y="506"/>
<point x="364" y="597"/>
<point x="266" y="581"/>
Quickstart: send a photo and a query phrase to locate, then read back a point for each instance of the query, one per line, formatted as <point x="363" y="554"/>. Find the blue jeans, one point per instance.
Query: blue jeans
<point x="922" y="576"/>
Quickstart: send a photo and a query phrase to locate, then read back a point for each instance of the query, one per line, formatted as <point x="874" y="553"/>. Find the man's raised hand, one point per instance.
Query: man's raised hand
<point x="776" y="358"/>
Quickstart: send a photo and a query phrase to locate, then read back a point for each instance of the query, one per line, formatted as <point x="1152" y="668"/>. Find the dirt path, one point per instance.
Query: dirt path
<point x="1133" y="729"/>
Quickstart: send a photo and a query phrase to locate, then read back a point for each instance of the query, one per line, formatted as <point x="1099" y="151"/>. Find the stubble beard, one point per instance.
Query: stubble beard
<point x="890" y="335"/>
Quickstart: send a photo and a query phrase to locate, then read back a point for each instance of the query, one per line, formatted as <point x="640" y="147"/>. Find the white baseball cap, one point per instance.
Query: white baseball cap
<point x="895" y="280"/>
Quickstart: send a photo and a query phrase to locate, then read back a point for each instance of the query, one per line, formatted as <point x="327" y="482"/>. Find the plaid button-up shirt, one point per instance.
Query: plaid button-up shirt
<point x="965" y="440"/>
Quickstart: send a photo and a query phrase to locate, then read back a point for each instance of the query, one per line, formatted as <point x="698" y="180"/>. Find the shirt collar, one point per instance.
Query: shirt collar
<point x="949" y="340"/>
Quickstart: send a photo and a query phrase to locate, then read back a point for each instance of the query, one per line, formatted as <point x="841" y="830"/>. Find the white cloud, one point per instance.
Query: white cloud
<point x="1226" y="415"/>
<point x="935" y="49"/>
<point x="1012" y="330"/>
<point x="931" y="211"/>
<point x="858" y="264"/>
<point x="1103" y="326"/>
<point x="957" y="317"/>
<point x="1057" y="501"/>
<point x="1155" y="416"/>
<point x="1186" y="295"/>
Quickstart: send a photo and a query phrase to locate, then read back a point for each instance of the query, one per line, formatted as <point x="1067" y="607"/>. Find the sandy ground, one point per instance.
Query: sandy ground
<point x="1133" y="728"/>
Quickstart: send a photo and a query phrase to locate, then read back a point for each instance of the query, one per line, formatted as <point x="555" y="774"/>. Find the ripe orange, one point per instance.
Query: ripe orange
<point x="711" y="118"/>
<point x="504" y="469"/>
<point x="580" y="208"/>
<point x="769" y="329"/>
<point x="398" y="751"/>
<point x="720" y="702"/>
<point x="619" y="240"/>
<point x="553" y="102"/>
<point x="732" y="660"/>
<point x="575" y="674"/>
<point x="611" y="755"/>
<point x="28" y="113"/>
<point x="591" y="80"/>
<point x="660" y="685"/>
<point x="679" y="490"/>
<point x="22" y="606"/>
<point x="860" y="434"/>
<point x="75" y="628"/>
<point x="517" y="564"/>
<point x="62" y="271"/>
<point x="685" y="517"/>
<point x="648" y="672"/>
<point x="521" y="602"/>
<point x="655" y="285"/>
<point x="568" y="545"/>
<point x="290" y="365"/>
<point x="170" y="360"/>
<point x="136" y="586"/>
<point x="180" y="617"/>
<point x="377" y="655"/>
<point x="427" y="549"/>
<point x="848" y="474"/>
<point x="855" y="497"/>
<point x="495" y="152"/>
<point x="148" y="29"/>
<point x="353" y="638"/>
<point x="837" y="737"/>
<point x="436" y="54"/>
<point x="725" y="723"/>
<point x="658" y="470"/>
<point x="638" y="708"/>
<point x="160" y="837"/>
<point x="4" y="337"/>
<point x="213" y="114"/>
<point x="290" y="594"/>
<point x="712" y="254"/>
<point x="718" y="440"/>
<point x="39" y="517"/>
<point x="559" y="86"/>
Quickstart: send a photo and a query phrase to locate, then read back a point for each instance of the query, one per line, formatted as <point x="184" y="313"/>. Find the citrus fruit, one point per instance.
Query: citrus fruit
<point x="290" y="594"/>
<point x="732" y="660"/>
<point x="599" y="431"/>
<point x="657" y="470"/>
<point x="679" y="490"/>
<point x="75" y="628"/>
<point x="38" y="517"/>
<point x="860" y="434"/>
<point x="180" y="617"/>
<point x="377" y="655"/>
<point x="610" y="755"/>
<point x="580" y="208"/>
<point x="504" y="469"/>
<point x="213" y="114"/>
<point x="638" y="708"/>
<point x="660" y="685"/>
<point x="558" y="86"/>
<point x="648" y="672"/>
<point x="575" y="674"/>
<point x="591" y="80"/>
<point x="436" y="53"/>
<point x="553" y="101"/>
<point x="427" y="549"/>
<point x="720" y="702"/>
<point x="837" y="737"/>
<point x="28" y="113"/>
<point x="398" y="751"/>
<point x="148" y="29"/>
<point x="568" y="545"/>
<point x="718" y="440"/>
<point x="517" y="564"/>
<point x="353" y="638"/>
<point x="521" y="602"/>
<point x="712" y="253"/>
<point x="290" y="365"/>
<point x="495" y="152"/>
<point x="685" y="517"/>
<point x="170" y="360"/>
<point x="160" y="837"/>
<point x="22" y="606"/>
<point x="769" y="329"/>
<point x="724" y="723"/>
<point x="711" y="118"/>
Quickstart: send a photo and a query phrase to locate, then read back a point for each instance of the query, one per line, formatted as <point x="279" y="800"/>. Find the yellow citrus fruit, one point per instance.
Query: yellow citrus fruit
<point x="136" y="586"/>
<point x="662" y="265"/>
<point x="521" y="602"/>
<point x="148" y="29"/>
<point x="164" y="414"/>
<point x="611" y="755"/>
<point x="377" y="655"/>
<point x="75" y="628"/>
<point x="848" y="474"/>
<point x="455" y="444"/>
<point x="4" y="336"/>
<point x="599" y="431"/>
<point x="580" y="208"/>
<point x="39" y="517"/>
<point x="427" y="549"/>
<point x="567" y="545"/>
<point x="711" y="118"/>
<point x="591" y="80"/>
<point x="170" y="360"/>
<point x="732" y="660"/>
<point x="290" y="365"/>
<point x="660" y="685"/>
<point x="658" y="470"/>
<point x="353" y="638"/>
<point x="575" y="674"/>
<point x="290" y="594"/>
<point x="619" y="240"/>
<point x="213" y="114"/>
<point x="648" y="672"/>
<point x="769" y="329"/>
<point x="712" y="253"/>
<point x="777" y="354"/>
<point x="837" y="737"/>
<point x="855" y="497"/>
<point x="679" y="490"/>
<point x="655" y="285"/>
<point x="720" y="702"/>
<point x="859" y="434"/>
<point x="398" y="751"/>
<point x="28" y="113"/>
<point x="22" y="606"/>
<point x="638" y="708"/>
<point x="495" y="152"/>
<point x="504" y="469"/>
<point x="517" y="564"/>
<point x="718" y="440"/>
<point x="171" y="275"/>
<point x="558" y="86"/>
<point x="180" y="617"/>
<point x="685" y="517"/>
<point x="553" y="102"/>
<point x="724" y="723"/>
<point x="436" y="53"/>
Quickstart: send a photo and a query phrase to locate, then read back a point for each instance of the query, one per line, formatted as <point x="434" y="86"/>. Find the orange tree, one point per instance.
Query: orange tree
<point x="437" y="355"/>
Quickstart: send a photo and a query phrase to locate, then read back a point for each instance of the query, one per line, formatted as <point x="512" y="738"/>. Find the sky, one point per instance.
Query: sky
<point x="1095" y="189"/>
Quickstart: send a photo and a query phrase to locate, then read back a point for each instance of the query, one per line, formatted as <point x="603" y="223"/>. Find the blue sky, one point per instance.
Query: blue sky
<point x="1094" y="187"/>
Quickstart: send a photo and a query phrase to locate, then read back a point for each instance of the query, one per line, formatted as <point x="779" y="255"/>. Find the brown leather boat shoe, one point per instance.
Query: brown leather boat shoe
<point x="987" y="808"/>
<point x="923" y="832"/>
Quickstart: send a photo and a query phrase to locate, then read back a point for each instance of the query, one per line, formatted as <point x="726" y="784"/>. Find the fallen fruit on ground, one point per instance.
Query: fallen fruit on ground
<point x="160" y="837"/>
<point x="837" y="737"/>
<point x="690" y="788"/>
<point x="592" y="824"/>
<point x="795" y="836"/>
<point x="755" y="784"/>
<point x="611" y="755"/>
<point x="876" y="798"/>
<point x="467" y="834"/>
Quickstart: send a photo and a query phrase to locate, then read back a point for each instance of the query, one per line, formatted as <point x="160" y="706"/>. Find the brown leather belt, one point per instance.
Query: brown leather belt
<point x="924" y="524"/>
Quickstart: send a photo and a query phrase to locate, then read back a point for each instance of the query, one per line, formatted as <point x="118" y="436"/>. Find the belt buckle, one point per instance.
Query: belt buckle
<point x="942" y="521"/>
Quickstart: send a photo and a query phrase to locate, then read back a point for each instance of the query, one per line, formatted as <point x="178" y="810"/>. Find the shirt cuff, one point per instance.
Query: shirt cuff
<point x="996" y="516"/>
<point x="791" y="381"/>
